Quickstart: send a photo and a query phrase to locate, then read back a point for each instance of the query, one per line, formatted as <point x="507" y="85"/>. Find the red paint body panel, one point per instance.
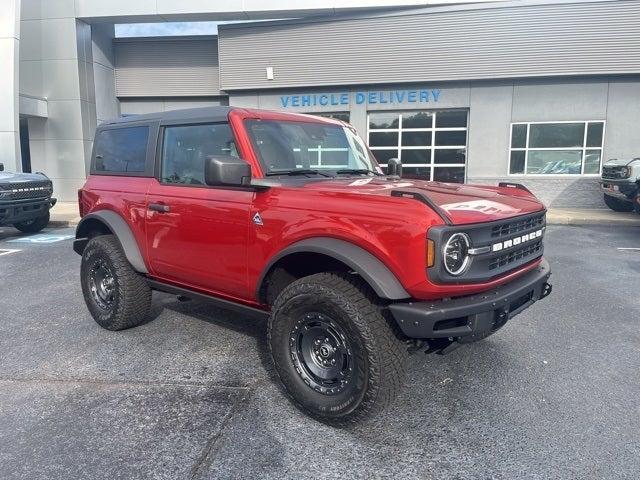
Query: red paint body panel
<point x="209" y="242"/>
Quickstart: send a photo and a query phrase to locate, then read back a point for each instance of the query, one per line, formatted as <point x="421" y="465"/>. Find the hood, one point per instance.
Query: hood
<point x="616" y="162"/>
<point x="463" y="203"/>
<point x="8" y="177"/>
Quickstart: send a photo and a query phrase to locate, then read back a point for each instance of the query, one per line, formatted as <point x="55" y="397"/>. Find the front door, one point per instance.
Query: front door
<point x="196" y="234"/>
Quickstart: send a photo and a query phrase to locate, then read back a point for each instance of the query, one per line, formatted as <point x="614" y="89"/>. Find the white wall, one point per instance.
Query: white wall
<point x="9" y="100"/>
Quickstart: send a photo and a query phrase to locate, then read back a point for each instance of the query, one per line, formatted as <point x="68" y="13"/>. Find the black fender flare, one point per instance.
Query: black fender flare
<point x="118" y="227"/>
<point x="370" y="268"/>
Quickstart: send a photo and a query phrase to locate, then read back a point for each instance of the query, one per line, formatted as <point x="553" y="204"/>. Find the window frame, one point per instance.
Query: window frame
<point x="582" y="149"/>
<point x="159" y="156"/>
<point x="432" y="166"/>
<point x="149" y="161"/>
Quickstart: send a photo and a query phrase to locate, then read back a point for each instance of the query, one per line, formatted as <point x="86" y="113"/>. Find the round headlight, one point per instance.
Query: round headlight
<point x="456" y="254"/>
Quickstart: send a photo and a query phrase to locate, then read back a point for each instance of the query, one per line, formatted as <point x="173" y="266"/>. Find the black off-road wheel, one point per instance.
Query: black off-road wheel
<point x="35" y="225"/>
<point x="116" y="295"/>
<point x="337" y="354"/>
<point x="617" y="205"/>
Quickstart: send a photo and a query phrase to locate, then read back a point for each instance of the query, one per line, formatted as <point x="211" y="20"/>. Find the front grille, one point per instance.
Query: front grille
<point x="25" y="191"/>
<point x="614" y="172"/>
<point x="520" y="256"/>
<point x="512" y="228"/>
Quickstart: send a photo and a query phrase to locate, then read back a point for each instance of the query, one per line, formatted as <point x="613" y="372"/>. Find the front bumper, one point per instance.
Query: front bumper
<point x="621" y="189"/>
<point x="473" y="315"/>
<point x="16" y="211"/>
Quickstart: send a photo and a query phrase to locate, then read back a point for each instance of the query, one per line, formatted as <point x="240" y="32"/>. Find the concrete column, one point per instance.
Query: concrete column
<point x="9" y="81"/>
<point x="56" y="64"/>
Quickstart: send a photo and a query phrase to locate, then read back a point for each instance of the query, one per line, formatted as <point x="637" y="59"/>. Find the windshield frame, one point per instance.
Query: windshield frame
<point x="354" y="141"/>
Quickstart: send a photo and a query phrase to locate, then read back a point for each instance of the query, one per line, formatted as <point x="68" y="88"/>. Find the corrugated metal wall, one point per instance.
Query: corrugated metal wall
<point x="450" y="43"/>
<point x="167" y="67"/>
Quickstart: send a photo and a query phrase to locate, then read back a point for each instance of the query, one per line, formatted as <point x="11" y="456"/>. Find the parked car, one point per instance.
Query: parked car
<point x="620" y="184"/>
<point x="289" y="217"/>
<point x="25" y="200"/>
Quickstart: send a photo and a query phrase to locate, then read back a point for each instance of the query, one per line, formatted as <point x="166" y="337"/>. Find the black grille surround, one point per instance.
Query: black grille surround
<point x="26" y="190"/>
<point x="615" y="172"/>
<point x="488" y="265"/>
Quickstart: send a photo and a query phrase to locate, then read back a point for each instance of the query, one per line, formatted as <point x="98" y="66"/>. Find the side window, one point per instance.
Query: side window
<point x="186" y="146"/>
<point x="122" y="150"/>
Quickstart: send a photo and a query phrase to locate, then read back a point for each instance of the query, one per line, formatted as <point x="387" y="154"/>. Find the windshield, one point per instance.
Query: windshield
<point x="290" y="147"/>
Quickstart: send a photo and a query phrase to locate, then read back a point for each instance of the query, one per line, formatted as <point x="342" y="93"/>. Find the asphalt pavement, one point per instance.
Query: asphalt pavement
<point x="192" y="395"/>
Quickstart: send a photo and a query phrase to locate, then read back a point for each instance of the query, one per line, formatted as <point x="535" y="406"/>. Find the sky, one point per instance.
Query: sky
<point x="167" y="29"/>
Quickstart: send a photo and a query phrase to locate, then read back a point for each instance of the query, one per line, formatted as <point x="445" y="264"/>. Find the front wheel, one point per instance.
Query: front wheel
<point x="617" y="205"/>
<point x="34" y="225"/>
<point x="335" y="351"/>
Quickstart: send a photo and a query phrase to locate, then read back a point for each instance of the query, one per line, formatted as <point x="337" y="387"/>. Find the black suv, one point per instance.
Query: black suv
<point x="25" y="200"/>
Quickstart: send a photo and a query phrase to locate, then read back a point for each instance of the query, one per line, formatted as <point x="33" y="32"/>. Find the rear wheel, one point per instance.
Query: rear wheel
<point x="618" y="205"/>
<point x="336" y="353"/>
<point x="116" y="295"/>
<point x="636" y="203"/>
<point x="34" y="225"/>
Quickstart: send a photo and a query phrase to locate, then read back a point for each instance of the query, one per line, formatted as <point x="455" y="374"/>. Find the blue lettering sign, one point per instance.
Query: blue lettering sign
<point x="371" y="97"/>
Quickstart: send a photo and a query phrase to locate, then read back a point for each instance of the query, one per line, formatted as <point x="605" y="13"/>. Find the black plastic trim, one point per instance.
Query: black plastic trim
<point x="119" y="227"/>
<point x="370" y="268"/>
<point x="220" y="302"/>
<point x="476" y="313"/>
<point x="424" y="199"/>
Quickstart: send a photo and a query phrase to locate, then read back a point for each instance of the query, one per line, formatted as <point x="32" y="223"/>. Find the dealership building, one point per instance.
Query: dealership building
<point x="539" y="92"/>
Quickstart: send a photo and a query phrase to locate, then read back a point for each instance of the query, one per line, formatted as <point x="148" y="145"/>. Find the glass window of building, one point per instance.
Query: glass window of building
<point x="431" y="144"/>
<point x="552" y="148"/>
<point x="343" y="116"/>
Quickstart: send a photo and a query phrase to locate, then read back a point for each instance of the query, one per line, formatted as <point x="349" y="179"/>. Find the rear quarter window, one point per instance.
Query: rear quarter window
<point x="122" y="151"/>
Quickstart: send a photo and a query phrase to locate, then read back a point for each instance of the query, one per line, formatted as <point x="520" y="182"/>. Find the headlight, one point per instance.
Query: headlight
<point x="456" y="254"/>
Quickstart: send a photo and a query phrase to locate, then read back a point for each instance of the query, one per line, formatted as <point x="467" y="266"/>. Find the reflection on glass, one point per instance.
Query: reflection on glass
<point x="517" y="162"/>
<point x="383" y="120"/>
<point x="594" y="134"/>
<point x="383" y="139"/>
<point x="451" y="118"/>
<point x="554" y="161"/>
<point x="416" y="139"/>
<point x="416" y="156"/>
<point x="592" y="161"/>
<point x="519" y="136"/>
<point x="450" y="155"/>
<point x="449" y="174"/>
<point x="417" y="120"/>
<point x="423" y="173"/>
<point x="383" y="156"/>
<point x="556" y="135"/>
<point x="458" y="138"/>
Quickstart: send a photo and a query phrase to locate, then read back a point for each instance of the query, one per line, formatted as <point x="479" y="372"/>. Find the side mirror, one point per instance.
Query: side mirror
<point x="229" y="171"/>
<point x="394" y="167"/>
<point x="1" y="167"/>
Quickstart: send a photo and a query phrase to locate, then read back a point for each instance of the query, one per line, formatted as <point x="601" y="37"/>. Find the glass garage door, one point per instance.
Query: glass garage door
<point x="432" y="144"/>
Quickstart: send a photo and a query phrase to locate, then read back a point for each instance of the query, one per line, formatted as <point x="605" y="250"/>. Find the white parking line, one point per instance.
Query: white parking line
<point x="6" y="251"/>
<point x="629" y="248"/>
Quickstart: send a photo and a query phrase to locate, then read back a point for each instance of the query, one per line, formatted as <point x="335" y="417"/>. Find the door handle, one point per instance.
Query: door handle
<point x="159" y="207"/>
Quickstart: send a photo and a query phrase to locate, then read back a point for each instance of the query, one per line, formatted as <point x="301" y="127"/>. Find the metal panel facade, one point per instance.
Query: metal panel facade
<point x="448" y="43"/>
<point x="167" y="67"/>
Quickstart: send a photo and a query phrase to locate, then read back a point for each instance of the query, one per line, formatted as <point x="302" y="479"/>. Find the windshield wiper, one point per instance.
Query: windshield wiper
<point x="347" y="171"/>
<point x="299" y="171"/>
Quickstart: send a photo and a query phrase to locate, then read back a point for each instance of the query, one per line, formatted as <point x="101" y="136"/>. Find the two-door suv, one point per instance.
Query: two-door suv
<point x="289" y="217"/>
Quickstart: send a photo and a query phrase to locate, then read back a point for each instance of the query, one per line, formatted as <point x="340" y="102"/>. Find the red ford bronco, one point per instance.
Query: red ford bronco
<point x="290" y="218"/>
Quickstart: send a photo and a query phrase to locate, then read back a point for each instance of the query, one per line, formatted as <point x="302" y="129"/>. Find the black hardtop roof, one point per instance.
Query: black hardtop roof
<point x="216" y="114"/>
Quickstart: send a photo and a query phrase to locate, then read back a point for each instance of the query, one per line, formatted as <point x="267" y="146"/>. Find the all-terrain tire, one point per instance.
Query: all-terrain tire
<point x="617" y="205"/>
<point x="35" y="225"/>
<point x="130" y="299"/>
<point x="378" y="355"/>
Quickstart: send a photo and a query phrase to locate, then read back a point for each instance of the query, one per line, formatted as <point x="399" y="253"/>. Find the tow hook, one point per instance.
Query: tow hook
<point x="546" y="290"/>
<point x="439" y="346"/>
